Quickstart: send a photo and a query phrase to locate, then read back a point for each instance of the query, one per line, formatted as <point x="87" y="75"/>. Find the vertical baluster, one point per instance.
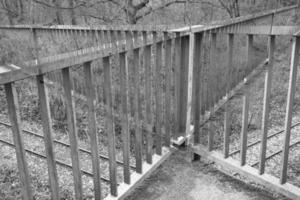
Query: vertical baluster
<point x="110" y="39"/>
<point x="113" y="39"/>
<point x="158" y="98"/>
<point x="197" y="85"/>
<point x="183" y="87"/>
<point x="47" y="129"/>
<point x="266" y="108"/>
<point x="244" y="126"/>
<point x="86" y="38"/>
<point x="137" y="42"/>
<point x="205" y="91"/>
<point x="148" y="98"/>
<point x="68" y="37"/>
<point x="72" y="131"/>
<point x="120" y="38"/>
<point x="80" y="38"/>
<point x="102" y="39"/>
<point x="212" y="68"/>
<point x="177" y="60"/>
<point x="35" y="43"/>
<point x="92" y="37"/>
<point x="289" y="109"/>
<point x="137" y="112"/>
<point x="250" y="55"/>
<point x="124" y="115"/>
<point x="98" y="42"/>
<point x="92" y="128"/>
<point x="110" y="125"/>
<point x="190" y="42"/>
<point x="14" y="116"/>
<point x="168" y="73"/>
<point x="105" y="38"/>
<point x="228" y="86"/>
<point x="129" y="44"/>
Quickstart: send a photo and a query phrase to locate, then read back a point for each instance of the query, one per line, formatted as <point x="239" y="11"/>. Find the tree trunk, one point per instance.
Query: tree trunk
<point x="21" y="11"/>
<point x="130" y="12"/>
<point x="6" y="4"/>
<point x="59" y="17"/>
<point x="72" y="13"/>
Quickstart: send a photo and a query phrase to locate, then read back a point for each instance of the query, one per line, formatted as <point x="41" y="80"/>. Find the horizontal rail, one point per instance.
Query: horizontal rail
<point x="235" y="21"/>
<point x="61" y="163"/>
<point x="65" y="144"/>
<point x="149" y="28"/>
<point x="262" y="30"/>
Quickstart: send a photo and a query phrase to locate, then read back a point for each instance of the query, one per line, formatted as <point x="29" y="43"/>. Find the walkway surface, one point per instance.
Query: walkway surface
<point x="178" y="179"/>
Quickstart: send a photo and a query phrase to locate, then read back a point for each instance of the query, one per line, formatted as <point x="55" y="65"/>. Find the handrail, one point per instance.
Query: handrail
<point x="225" y="23"/>
<point x="149" y="28"/>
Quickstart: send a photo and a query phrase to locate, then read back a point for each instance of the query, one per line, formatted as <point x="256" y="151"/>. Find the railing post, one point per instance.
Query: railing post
<point x="289" y="108"/>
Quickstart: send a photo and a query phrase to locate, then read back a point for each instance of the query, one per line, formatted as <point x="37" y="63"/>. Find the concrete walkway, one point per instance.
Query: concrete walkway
<point x="178" y="179"/>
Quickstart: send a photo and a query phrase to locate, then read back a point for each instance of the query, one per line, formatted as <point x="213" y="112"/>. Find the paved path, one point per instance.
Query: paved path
<point x="178" y="179"/>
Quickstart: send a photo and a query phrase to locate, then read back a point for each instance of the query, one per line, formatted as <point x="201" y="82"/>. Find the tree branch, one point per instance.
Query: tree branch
<point x="226" y="8"/>
<point x="60" y="7"/>
<point x="141" y="5"/>
<point x="151" y="9"/>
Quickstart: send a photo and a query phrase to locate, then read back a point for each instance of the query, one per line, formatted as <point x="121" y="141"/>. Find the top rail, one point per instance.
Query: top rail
<point x="90" y="28"/>
<point x="235" y="21"/>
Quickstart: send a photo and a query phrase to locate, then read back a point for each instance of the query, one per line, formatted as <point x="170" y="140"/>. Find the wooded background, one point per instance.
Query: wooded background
<point x="93" y="12"/>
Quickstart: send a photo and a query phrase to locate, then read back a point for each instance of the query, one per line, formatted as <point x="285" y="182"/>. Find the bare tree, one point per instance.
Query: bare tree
<point x="72" y="12"/>
<point x="14" y="9"/>
<point x="136" y="11"/>
<point x="232" y="7"/>
<point x="59" y="17"/>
